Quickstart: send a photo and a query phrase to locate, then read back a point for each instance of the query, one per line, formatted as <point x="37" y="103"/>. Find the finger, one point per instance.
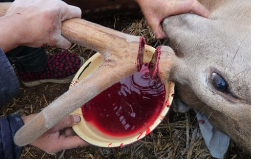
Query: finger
<point x="73" y="142"/>
<point x="60" y="41"/>
<point x="69" y="132"/>
<point x="67" y="122"/>
<point x="69" y="11"/>
<point x="154" y="23"/>
<point x="158" y="31"/>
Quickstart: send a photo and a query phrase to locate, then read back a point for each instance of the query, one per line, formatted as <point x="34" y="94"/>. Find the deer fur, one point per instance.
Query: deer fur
<point x="220" y="44"/>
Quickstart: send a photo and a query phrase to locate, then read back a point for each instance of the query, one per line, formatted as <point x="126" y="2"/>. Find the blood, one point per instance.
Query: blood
<point x="129" y="106"/>
<point x="201" y="122"/>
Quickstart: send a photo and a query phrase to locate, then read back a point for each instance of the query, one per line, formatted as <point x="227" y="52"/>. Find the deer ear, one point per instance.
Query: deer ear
<point x="216" y="141"/>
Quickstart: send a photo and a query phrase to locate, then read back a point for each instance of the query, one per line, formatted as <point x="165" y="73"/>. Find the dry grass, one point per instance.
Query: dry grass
<point x="178" y="136"/>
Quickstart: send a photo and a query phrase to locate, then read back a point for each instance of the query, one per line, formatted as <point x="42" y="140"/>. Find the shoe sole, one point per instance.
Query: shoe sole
<point x="62" y="80"/>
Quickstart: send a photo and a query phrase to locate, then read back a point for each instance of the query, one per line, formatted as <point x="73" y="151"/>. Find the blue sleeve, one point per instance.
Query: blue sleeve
<point x="9" y="83"/>
<point x="9" y="125"/>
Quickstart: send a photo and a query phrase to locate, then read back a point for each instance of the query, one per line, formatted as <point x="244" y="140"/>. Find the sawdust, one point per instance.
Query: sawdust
<point x="178" y="136"/>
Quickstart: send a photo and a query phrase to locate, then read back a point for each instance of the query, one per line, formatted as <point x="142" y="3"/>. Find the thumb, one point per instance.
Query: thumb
<point x="61" y="42"/>
<point x="67" y="122"/>
<point x="158" y="31"/>
<point x="156" y="28"/>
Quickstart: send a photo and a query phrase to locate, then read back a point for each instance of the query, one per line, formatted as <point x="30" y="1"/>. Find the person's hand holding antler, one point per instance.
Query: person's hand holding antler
<point x="39" y="22"/>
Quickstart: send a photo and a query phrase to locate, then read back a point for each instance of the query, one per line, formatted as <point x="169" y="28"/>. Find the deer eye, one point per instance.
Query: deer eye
<point x="219" y="83"/>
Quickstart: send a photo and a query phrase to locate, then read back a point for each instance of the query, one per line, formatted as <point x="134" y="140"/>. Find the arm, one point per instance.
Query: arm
<point x="9" y="125"/>
<point x="155" y="11"/>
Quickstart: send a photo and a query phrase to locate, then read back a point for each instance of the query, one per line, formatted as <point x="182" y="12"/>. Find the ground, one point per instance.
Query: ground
<point x="178" y="136"/>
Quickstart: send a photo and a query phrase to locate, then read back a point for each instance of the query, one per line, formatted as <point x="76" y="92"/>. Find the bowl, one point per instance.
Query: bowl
<point x="88" y="132"/>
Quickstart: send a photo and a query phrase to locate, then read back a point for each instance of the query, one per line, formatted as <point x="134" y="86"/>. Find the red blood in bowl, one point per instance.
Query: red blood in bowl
<point x="128" y="106"/>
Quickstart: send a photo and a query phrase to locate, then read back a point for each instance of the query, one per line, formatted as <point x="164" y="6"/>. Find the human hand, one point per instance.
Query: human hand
<point x="60" y="137"/>
<point x="155" y="11"/>
<point x="41" y="21"/>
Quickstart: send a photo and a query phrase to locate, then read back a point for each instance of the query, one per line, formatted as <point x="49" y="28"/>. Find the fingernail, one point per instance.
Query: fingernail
<point x="76" y="118"/>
